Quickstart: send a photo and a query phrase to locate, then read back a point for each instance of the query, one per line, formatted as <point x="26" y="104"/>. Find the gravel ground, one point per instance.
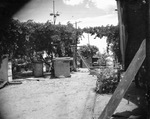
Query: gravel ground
<point x="45" y="98"/>
<point x="62" y="98"/>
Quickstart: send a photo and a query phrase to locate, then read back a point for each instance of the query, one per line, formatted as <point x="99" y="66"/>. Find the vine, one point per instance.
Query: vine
<point x="112" y="34"/>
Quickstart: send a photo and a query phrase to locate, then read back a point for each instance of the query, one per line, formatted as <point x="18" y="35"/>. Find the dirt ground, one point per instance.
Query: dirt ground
<point x="61" y="98"/>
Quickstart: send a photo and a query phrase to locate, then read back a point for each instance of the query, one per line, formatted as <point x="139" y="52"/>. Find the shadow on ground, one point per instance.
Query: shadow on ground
<point x="136" y="97"/>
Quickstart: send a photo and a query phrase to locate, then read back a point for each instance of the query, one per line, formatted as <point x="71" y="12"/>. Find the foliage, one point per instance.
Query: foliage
<point x="102" y="58"/>
<point x="69" y="36"/>
<point x="107" y="81"/>
<point x="8" y="42"/>
<point x="112" y="34"/>
<point x="88" y="50"/>
<point x="26" y="38"/>
<point x="14" y="38"/>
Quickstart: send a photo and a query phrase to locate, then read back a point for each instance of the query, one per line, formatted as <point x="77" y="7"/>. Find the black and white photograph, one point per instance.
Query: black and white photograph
<point x="74" y="59"/>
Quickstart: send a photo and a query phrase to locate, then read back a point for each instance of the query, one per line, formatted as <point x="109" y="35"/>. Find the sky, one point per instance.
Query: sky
<point x="87" y="13"/>
<point x="92" y="40"/>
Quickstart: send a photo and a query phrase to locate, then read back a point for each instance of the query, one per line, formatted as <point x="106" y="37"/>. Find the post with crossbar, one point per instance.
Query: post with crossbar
<point x="54" y="14"/>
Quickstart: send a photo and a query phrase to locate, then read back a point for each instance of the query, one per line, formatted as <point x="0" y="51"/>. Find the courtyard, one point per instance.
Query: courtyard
<point x="64" y="98"/>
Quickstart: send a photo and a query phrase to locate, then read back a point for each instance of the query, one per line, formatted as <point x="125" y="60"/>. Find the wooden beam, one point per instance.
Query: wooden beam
<point x="125" y="82"/>
<point x="84" y="61"/>
<point x="93" y="72"/>
<point x="122" y="31"/>
<point x="148" y="58"/>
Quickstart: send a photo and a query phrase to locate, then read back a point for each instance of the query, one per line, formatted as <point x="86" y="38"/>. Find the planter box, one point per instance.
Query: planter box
<point x="38" y="69"/>
<point x="62" y="67"/>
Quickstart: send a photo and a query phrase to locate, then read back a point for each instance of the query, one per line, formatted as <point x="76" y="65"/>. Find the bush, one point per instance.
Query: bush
<point x="107" y="81"/>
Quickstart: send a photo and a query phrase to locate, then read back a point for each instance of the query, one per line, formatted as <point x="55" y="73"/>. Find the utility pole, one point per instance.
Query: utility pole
<point x="54" y="14"/>
<point x="88" y="39"/>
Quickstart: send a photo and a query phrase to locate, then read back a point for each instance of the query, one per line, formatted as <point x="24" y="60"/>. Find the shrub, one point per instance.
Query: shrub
<point x="107" y="81"/>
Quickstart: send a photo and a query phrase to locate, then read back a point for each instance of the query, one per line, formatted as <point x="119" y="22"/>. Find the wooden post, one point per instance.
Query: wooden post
<point x="4" y="69"/>
<point x="74" y="58"/>
<point x="9" y="71"/>
<point x="148" y="58"/>
<point x="125" y="83"/>
<point x="76" y="39"/>
<point x="122" y="32"/>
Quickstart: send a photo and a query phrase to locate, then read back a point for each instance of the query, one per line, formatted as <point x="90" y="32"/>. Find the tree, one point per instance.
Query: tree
<point x="88" y="50"/>
<point x="112" y="34"/>
<point x="26" y="38"/>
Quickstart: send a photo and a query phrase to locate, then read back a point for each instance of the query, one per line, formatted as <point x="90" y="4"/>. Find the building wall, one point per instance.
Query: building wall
<point x="135" y="23"/>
